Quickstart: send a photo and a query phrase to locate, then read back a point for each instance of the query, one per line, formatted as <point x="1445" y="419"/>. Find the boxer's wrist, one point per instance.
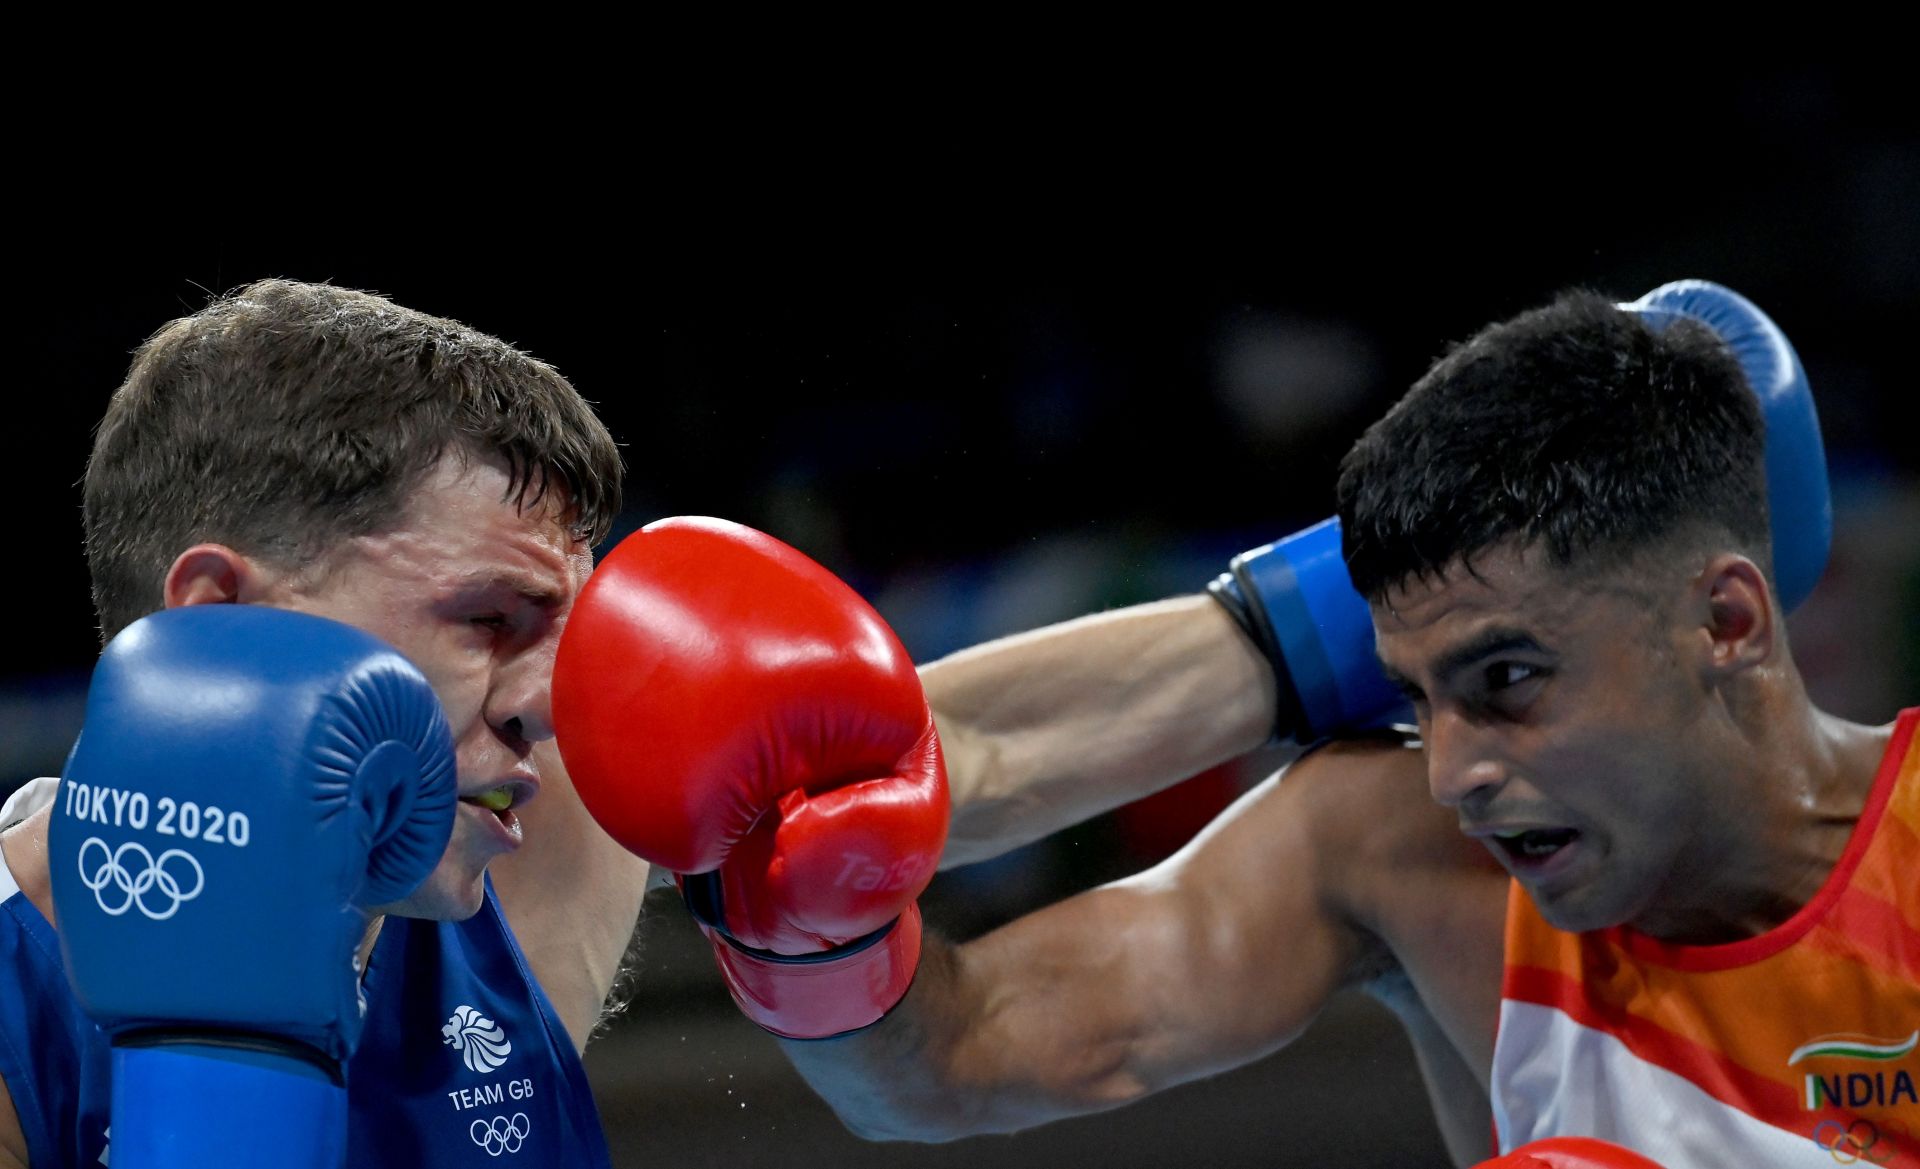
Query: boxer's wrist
<point x="833" y="992"/>
<point x="296" y="1116"/>
<point x="1242" y="603"/>
<point x="1298" y="605"/>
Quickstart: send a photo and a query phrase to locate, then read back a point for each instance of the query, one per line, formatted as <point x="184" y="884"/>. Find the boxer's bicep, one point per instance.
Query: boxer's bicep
<point x="1219" y="955"/>
<point x="1224" y="953"/>
<point x="1260" y="946"/>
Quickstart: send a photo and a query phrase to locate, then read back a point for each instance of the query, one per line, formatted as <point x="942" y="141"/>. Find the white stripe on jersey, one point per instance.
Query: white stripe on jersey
<point x="1554" y="1077"/>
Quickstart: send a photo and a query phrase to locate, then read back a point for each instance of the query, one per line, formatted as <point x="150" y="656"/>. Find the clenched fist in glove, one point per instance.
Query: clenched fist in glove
<point x="733" y="712"/>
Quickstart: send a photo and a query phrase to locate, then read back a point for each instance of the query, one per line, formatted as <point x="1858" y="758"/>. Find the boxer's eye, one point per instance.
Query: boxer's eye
<point x="1508" y="687"/>
<point x="1505" y="675"/>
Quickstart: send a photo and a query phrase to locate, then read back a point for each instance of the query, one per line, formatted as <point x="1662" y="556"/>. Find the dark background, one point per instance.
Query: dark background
<point x="999" y="369"/>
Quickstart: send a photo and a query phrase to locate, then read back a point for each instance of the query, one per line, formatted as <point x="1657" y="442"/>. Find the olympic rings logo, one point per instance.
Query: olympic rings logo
<point x="148" y="878"/>
<point x="1859" y="1141"/>
<point x="500" y="1135"/>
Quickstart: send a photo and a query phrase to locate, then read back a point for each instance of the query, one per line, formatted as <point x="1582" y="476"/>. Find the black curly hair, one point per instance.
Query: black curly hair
<point x="1575" y="428"/>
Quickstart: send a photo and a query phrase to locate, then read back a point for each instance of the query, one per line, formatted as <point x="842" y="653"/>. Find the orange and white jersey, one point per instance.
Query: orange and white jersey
<point x="1797" y="1047"/>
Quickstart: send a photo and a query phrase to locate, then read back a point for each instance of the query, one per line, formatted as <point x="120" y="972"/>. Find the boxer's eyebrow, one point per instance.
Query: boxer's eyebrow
<point x="532" y="588"/>
<point x="1491" y="642"/>
<point x="1499" y="639"/>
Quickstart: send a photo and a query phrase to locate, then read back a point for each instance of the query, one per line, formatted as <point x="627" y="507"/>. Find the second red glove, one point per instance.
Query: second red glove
<point x="1569" y="1153"/>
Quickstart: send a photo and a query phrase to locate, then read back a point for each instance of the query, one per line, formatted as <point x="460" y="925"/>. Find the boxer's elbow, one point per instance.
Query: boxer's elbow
<point x="1040" y="1087"/>
<point x="883" y="1108"/>
<point x="920" y="1128"/>
<point x="930" y="1105"/>
<point x="970" y="1113"/>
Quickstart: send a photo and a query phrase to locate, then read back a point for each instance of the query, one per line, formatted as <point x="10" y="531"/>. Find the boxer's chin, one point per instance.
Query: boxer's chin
<point x="456" y="889"/>
<point x="452" y="892"/>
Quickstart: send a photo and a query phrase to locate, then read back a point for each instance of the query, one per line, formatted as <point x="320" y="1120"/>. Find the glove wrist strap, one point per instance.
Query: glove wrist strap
<point x="1242" y="603"/>
<point x="818" y="996"/>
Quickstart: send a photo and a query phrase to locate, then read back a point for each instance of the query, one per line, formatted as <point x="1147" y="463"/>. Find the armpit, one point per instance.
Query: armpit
<point x="1378" y="974"/>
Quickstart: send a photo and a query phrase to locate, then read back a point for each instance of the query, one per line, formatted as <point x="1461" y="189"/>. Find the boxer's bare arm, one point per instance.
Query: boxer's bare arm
<point x="1208" y="961"/>
<point x="572" y="896"/>
<point x="1460" y="1102"/>
<point x="1040" y="730"/>
<point x="1437" y="902"/>
<point x="1048" y="728"/>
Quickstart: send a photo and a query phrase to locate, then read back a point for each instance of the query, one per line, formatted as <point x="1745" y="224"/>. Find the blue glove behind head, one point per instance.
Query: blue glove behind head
<point x="1296" y="601"/>
<point x="1799" y="505"/>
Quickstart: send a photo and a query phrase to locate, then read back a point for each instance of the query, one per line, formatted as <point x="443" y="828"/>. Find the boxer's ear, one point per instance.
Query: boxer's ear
<point x="214" y="574"/>
<point x="1739" y="622"/>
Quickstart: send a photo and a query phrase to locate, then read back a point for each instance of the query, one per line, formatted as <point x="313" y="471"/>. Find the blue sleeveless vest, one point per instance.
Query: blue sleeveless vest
<point x="463" y="1061"/>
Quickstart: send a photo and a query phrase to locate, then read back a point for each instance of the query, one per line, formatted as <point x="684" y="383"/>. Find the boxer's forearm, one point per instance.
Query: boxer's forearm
<point x="891" y="1081"/>
<point x="1047" y="728"/>
<point x="974" y="1049"/>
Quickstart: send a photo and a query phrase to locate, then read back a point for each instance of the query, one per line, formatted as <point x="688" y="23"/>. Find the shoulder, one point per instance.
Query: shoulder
<point x="1429" y="903"/>
<point x="1371" y="766"/>
<point x="1368" y="795"/>
<point x="1348" y="827"/>
<point x="1344" y="807"/>
<point x="23" y="844"/>
<point x="27" y="799"/>
<point x="1382" y="847"/>
<point x="1366" y="799"/>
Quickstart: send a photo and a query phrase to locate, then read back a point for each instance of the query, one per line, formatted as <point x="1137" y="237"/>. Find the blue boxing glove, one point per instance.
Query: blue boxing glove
<point x="1799" y="504"/>
<point x="247" y="781"/>
<point x="1295" y="600"/>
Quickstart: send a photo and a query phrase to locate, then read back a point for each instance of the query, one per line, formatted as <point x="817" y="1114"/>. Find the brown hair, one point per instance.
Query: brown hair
<point x="286" y="417"/>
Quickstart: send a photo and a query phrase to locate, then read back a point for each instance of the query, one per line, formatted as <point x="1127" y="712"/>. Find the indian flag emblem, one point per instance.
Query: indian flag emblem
<point x="1854" y="1047"/>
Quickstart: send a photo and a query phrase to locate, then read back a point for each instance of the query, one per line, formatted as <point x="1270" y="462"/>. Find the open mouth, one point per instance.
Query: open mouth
<point x="498" y="804"/>
<point x="495" y="800"/>
<point x="1535" y="844"/>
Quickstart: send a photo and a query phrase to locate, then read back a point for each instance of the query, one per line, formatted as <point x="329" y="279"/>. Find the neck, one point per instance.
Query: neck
<point x="365" y="950"/>
<point x="1793" y="783"/>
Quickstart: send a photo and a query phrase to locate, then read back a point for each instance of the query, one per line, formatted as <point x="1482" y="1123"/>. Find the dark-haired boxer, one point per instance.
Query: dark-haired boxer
<point x="1681" y="917"/>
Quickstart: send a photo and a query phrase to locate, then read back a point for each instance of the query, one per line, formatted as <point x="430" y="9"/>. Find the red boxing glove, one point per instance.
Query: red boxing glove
<point x="729" y="709"/>
<point x="1570" y="1153"/>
